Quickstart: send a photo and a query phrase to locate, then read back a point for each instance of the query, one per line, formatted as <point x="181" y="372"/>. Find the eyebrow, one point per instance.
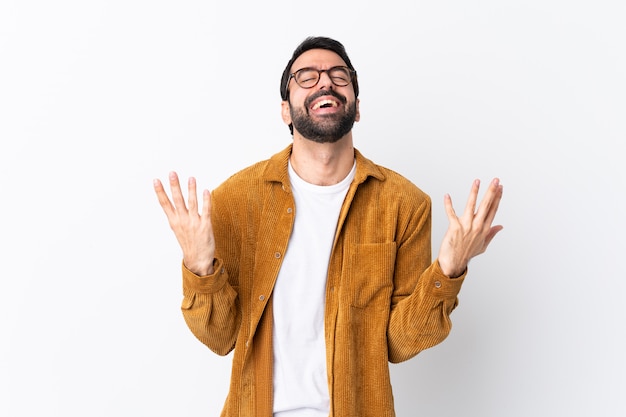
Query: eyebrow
<point x="317" y="69"/>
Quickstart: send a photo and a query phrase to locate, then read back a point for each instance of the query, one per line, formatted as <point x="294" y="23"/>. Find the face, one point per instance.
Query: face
<point x="326" y="112"/>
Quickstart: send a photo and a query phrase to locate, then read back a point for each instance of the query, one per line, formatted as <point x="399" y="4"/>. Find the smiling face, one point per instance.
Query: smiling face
<point x="324" y="113"/>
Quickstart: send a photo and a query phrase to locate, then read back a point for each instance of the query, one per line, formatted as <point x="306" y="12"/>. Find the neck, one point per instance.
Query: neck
<point x="322" y="163"/>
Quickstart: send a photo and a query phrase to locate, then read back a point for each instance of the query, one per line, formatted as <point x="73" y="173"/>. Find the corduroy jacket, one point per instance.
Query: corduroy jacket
<point x="385" y="299"/>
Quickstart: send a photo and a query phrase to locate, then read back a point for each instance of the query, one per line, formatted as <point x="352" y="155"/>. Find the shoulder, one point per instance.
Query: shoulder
<point x="245" y="175"/>
<point x="256" y="177"/>
<point x="385" y="181"/>
<point x="398" y="182"/>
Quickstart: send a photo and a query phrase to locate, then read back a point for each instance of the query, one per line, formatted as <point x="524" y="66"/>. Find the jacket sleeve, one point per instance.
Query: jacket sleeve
<point x="210" y="308"/>
<point x="423" y="296"/>
<point x="212" y="304"/>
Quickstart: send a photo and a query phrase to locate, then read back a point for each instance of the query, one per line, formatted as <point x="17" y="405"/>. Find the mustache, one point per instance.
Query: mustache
<point x="321" y="93"/>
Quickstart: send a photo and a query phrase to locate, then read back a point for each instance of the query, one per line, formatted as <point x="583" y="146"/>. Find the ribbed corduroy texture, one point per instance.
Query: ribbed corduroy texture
<point x="385" y="300"/>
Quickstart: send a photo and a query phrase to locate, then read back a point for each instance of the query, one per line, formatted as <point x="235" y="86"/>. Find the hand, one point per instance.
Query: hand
<point x="470" y="234"/>
<point x="193" y="230"/>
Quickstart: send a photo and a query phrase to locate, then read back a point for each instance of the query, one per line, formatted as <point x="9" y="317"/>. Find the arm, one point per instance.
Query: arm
<point x="422" y="319"/>
<point x="211" y="308"/>
<point x="210" y="304"/>
<point x="423" y="297"/>
<point x="419" y="317"/>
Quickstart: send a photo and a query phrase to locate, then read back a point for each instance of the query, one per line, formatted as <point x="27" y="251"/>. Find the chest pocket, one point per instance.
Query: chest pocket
<point x="370" y="268"/>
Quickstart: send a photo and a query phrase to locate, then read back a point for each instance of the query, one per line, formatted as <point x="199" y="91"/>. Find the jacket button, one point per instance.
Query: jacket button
<point x="289" y="210"/>
<point x="437" y="284"/>
<point x="261" y="297"/>
<point x="277" y="255"/>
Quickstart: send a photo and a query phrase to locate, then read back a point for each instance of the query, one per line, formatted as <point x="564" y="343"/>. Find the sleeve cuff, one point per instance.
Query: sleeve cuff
<point x="205" y="284"/>
<point x="442" y="285"/>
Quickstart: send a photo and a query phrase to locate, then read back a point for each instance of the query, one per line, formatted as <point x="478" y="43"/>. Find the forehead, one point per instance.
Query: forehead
<point x="317" y="58"/>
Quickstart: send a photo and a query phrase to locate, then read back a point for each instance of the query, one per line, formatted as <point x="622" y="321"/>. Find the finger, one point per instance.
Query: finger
<point x="206" y="205"/>
<point x="447" y="203"/>
<point x="492" y="233"/>
<point x="489" y="204"/>
<point x="177" y="194"/>
<point x="192" y="196"/>
<point x="493" y="207"/>
<point x="164" y="200"/>
<point x="471" y="201"/>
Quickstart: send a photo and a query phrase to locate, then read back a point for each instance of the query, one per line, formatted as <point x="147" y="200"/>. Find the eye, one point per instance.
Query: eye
<point x="306" y="76"/>
<point x="340" y="75"/>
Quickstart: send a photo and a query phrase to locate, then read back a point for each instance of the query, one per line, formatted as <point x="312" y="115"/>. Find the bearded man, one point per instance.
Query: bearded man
<point x="315" y="264"/>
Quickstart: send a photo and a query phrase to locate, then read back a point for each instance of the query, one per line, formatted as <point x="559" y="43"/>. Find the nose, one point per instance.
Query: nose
<point x="325" y="81"/>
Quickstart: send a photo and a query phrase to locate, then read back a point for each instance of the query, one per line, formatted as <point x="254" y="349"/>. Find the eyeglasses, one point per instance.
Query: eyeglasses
<point x="309" y="77"/>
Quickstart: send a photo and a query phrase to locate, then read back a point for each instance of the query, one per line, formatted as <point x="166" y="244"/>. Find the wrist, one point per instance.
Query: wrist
<point x="451" y="271"/>
<point x="200" y="268"/>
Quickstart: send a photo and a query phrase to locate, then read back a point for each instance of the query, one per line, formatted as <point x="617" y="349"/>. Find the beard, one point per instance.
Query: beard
<point x="331" y="128"/>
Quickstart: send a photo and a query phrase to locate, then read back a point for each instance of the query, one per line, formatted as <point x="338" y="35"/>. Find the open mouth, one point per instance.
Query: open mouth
<point x="324" y="104"/>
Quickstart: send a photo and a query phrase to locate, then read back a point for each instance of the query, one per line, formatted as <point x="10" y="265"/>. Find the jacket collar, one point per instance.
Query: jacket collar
<point x="276" y="168"/>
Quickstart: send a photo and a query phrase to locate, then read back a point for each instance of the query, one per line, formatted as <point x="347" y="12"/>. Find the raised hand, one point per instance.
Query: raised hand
<point x="470" y="234"/>
<point x="192" y="228"/>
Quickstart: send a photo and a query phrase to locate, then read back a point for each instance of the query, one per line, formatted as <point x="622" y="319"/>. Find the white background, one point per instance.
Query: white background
<point x="97" y="98"/>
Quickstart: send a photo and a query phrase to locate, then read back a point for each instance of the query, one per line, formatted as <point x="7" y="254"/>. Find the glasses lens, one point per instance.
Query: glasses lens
<point x="306" y="77"/>
<point x="340" y="76"/>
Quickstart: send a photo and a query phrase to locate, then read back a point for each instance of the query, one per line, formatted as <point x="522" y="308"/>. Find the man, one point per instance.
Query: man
<point x="315" y="265"/>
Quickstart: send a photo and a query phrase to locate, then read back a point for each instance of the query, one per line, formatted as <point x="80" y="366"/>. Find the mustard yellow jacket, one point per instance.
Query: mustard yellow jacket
<point x="385" y="300"/>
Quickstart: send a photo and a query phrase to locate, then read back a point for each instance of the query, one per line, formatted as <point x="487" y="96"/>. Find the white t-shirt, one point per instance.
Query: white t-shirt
<point x="300" y="377"/>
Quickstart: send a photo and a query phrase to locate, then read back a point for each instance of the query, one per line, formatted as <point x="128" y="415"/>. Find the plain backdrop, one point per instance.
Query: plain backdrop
<point x="99" y="97"/>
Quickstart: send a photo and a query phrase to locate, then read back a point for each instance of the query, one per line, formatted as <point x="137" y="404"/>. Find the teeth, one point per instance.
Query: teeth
<point x="324" y="102"/>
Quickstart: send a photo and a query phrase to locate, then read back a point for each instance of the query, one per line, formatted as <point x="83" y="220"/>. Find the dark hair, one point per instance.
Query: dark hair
<point x="317" y="42"/>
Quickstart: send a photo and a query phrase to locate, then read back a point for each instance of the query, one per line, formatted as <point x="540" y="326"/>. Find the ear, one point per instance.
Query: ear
<point x="358" y="111"/>
<point x="285" y="113"/>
